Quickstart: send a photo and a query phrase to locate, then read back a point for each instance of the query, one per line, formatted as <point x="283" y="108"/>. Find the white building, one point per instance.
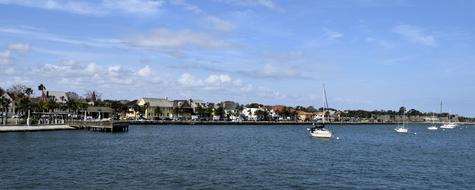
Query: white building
<point x="58" y="96"/>
<point x="11" y="106"/>
<point x="250" y="113"/>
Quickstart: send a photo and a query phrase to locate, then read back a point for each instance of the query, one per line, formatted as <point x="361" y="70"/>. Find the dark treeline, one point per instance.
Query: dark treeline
<point x="401" y="111"/>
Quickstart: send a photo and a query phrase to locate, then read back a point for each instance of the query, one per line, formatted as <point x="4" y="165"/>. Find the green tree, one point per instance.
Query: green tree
<point x="175" y="112"/>
<point x="28" y="92"/>
<point x="219" y="111"/>
<point x="261" y="114"/>
<point x="5" y="103"/>
<point x="402" y="110"/>
<point x="200" y="111"/>
<point x="158" y="112"/>
<point x="51" y="105"/>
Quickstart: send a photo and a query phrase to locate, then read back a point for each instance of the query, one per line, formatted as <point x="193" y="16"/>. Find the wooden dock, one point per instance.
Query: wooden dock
<point x="102" y="126"/>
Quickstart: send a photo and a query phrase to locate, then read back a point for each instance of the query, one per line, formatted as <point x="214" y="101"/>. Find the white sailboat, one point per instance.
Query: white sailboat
<point x="402" y="128"/>
<point x="448" y="125"/>
<point x="433" y="127"/>
<point x="318" y="129"/>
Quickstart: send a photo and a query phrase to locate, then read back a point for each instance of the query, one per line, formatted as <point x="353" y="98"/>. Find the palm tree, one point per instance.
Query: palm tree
<point x="158" y="112"/>
<point x="175" y="112"/>
<point x="42" y="88"/>
<point x="29" y="92"/>
<point x="51" y="105"/>
<point x="2" y="101"/>
<point x="145" y="107"/>
<point x="5" y="103"/>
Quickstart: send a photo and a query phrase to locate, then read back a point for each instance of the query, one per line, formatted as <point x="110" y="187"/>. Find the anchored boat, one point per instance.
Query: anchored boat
<point x="318" y="129"/>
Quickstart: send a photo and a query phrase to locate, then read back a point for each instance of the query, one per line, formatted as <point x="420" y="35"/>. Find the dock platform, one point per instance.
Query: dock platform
<point x="102" y="126"/>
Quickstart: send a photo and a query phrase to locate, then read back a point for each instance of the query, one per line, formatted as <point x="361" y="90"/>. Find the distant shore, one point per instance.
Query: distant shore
<point x="24" y="128"/>
<point x="162" y="122"/>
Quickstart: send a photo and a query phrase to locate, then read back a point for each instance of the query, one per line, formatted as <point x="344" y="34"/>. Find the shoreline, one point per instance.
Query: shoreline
<point x="161" y="122"/>
<point x="25" y="128"/>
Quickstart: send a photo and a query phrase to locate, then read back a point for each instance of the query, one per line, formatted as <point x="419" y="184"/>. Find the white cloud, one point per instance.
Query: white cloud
<point x="415" y="35"/>
<point x="145" y="71"/>
<point x="58" y="5"/>
<point x="19" y="47"/>
<point x="382" y="43"/>
<point x="103" y="7"/>
<point x="188" y="6"/>
<point x="332" y="35"/>
<point x="166" y="38"/>
<point x="91" y="68"/>
<point x="213" y="82"/>
<point x="220" y="24"/>
<point x="114" y="70"/>
<point x="63" y="39"/>
<point x="134" y="6"/>
<point x="9" y="71"/>
<point x="274" y="72"/>
<point x="254" y="3"/>
<point x="91" y="74"/>
<point x="6" y="55"/>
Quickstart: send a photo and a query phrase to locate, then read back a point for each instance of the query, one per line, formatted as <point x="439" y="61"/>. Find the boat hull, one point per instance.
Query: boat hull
<point x="401" y="130"/>
<point x="448" y="126"/>
<point x="321" y="134"/>
<point x="432" y="128"/>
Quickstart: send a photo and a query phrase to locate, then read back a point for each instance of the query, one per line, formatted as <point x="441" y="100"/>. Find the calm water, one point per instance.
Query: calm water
<point x="239" y="157"/>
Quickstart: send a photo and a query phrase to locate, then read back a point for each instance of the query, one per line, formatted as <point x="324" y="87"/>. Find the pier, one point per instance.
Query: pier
<point x="101" y="126"/>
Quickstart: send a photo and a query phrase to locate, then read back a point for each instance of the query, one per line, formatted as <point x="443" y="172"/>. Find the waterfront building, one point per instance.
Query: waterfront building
<point x="96" y="112"/>
<point x="132" y="112"/>
<point x="57" y="96"/>
<point x="182" y="110"/>
<point x="250" y="113"/>
<point x="198" y="103"/>
<point x="306" y="116"/>
<point x="11" y="106"/>
<point x="156" y="108"/>
<point x="231" y="109"/>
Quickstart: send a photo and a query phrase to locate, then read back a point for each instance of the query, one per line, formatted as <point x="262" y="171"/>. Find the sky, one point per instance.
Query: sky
<point x="370" y="54"/>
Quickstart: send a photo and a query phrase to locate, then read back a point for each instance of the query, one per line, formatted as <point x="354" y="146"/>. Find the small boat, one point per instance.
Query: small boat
<point x="401" y="128"/>
<point x="318" y="129"/>
<point x="433" y="127"/>
<point x="448" y="125"/>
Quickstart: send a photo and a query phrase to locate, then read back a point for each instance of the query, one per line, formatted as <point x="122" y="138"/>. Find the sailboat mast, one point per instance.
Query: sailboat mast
<point x="324" y="98"/>
<point x="403" y="117"/>
<point x="440" y="107"/>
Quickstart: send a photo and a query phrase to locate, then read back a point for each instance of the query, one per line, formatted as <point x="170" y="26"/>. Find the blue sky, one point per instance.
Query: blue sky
<point x="371" y="54"/>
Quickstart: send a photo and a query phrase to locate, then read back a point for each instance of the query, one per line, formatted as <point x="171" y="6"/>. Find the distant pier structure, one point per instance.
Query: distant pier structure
<point x="102" y="126"/>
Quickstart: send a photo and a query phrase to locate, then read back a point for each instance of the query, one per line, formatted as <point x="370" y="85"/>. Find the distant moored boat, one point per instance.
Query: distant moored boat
<point x="402" y="128"/>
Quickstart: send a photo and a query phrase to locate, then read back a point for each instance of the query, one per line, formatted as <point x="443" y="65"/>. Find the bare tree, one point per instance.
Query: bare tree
<point x="17" y="89"/>
<point x="73" y="96"/>
<point x="93" y="96"/>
